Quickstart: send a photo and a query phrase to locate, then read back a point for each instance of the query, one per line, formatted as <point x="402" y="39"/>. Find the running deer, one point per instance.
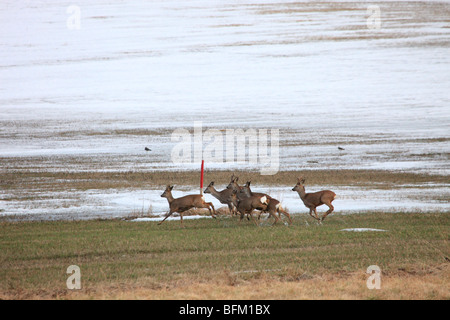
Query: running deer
<point x="313" y="200"/>
<point x="273" y="205"/>
<point x="223" y="196"/>
<point x="248" y="204"/>
<point x="185" y="203"/>
<point x="233" y="185"/>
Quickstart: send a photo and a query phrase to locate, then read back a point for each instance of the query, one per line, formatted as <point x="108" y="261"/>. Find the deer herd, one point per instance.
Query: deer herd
<point x="241" y="200"/>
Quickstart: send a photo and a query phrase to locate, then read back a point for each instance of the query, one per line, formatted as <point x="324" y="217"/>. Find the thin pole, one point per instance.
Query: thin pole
<point x="201" y="177"/>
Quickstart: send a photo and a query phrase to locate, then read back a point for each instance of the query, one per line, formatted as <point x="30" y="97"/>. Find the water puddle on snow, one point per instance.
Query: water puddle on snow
<point x="363" y="230"/>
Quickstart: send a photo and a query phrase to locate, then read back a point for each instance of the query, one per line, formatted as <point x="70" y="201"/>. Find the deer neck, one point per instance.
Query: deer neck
<point x="235" y="187"/>
<point x="214" y="192"/>
<point x="247" y="192"/>
<point x="170" y="198"/>
<point x="302" y="194"/>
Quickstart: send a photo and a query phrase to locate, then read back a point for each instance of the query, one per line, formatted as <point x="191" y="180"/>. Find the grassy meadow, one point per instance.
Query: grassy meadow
<point x="346" y="98"/>
<point x="225" y="259"/>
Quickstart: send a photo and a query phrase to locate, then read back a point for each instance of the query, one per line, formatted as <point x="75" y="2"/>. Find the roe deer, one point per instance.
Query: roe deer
<point x="185" y="203"/>
<point x="233" y="185"/>
<point x="273" y="205"/>
<point x="248" y="204"/>
<point x="223" y="196"/>
<point x="313" y="200"/>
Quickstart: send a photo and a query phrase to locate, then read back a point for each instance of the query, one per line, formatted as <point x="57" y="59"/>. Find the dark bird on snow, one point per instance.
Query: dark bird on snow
<point x="147" y="149"/>
<point x="340" y="148"/>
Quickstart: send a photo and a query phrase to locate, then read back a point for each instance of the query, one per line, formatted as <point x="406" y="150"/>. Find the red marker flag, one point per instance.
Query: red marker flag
<point x="201" y="178"/>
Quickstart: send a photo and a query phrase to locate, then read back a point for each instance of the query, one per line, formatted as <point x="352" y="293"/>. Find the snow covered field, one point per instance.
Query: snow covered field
<point x="91" y="99"/>
<point x="107" y="204"/>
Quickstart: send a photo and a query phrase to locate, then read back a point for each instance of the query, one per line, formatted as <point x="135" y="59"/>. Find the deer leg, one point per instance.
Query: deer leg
<point x="273" y="214"/>
<point x="310" y="213"/>
<point x="280" y="211"/>
<point x="230" y="207"/>
<point x="259" y="215"/>
<point x="210" y="205"/>
<point x="241" y="216"/>
<point x="313" y="209"/>
<point x="235" y="211"/>
<point x="251" y="216"/>
<point x="329" y="210"/>
<point x="167" y="215"/>
<point x="315" y="213"/>
<point x="317" y="217"/>
<point x="276" y="219"/>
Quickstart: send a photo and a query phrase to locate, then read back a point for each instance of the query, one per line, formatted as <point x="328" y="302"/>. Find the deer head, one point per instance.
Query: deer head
<point x="299" y="187"/>
<point x="233" y="183"/>
<point x="168" y="192"/>
<point x="246" y="189"/>
<point x="209" y="187"/>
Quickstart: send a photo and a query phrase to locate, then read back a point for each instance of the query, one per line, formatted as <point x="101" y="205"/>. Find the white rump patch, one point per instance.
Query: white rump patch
<point x="264" y="199"/>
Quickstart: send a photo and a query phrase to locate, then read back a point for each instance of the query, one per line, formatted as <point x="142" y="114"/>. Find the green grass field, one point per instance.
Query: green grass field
<point x="119" y="259"/>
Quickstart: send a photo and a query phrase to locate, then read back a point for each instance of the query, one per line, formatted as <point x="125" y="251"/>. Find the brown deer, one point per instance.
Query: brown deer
<point x="233" y="185"/>
<point x="248" y="204"/>
<point x="273" y="205"/>
<point x="223" y="196"/>
<point x="313" y="200"/>
<point x="185" y="203"/>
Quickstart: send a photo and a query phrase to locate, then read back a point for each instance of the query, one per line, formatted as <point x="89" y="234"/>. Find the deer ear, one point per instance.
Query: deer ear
<point x="171" y="187"/>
